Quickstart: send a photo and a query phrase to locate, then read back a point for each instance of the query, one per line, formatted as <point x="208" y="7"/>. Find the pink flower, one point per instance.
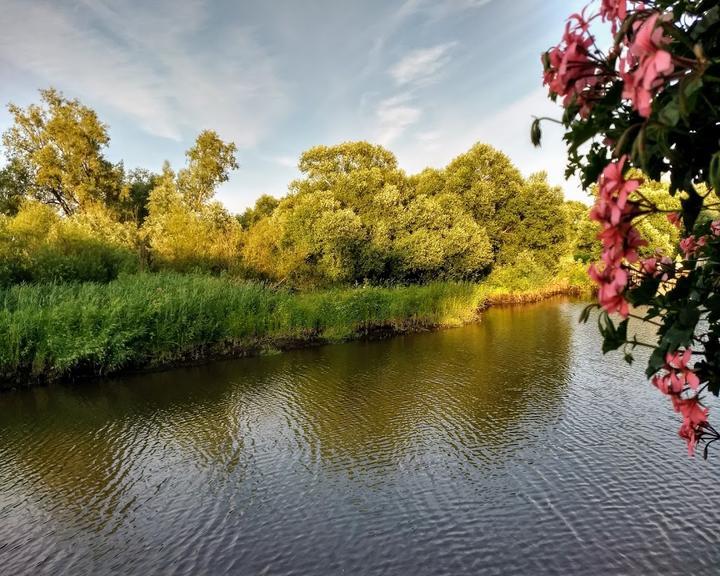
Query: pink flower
<point x="691" y="245"/>
<point x="620" y="240"/>
<point x="677" y="380"/>
<point x="647" y="65"/>
<point x="715" y="227"/>
<point x="613" y="11"/>
<point x="649" y="266"/>
<point x="569" y="70"/>
<point x="675" y="219"/>
<point x="612" y="282"/>
<point x="694" y="420"/>
<point x="677" y="376"/>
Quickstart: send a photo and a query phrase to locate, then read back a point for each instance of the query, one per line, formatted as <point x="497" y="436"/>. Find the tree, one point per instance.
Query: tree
<point x="310" y="239"/>
<point x="439" y="239"/>
<point x="184" y="228"/>
<point x="39" y="245"/>
<point x="209" y="163"/>
<point x="353" y="171"/>
<point x="13" y="184"/>
<point x="582" y="233"/>
<point x="264" y="206"/>
<point x="356" y="217"/>
<point x="486" y="180"/>
<point x="651" y="103"/>
<point x="58" y="145"/>
<point x="136" y="194"/>
<point x="536" y="223"/>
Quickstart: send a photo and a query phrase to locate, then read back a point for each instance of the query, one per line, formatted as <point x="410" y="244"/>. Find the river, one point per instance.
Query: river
<point x="511" y="446"/>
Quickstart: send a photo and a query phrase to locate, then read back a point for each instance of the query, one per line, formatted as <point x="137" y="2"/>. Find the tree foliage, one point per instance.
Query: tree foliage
<point x="184" y="228"/>
<point x="58" y="146"/>
<point x="355" y="216"/>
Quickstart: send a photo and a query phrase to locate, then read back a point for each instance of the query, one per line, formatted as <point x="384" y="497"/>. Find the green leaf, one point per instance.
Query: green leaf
<point x="536" y="133"/>
<point x="656" y="361"/>
<point x="581" y="133"/>
<point x="585" y="314"/>
<point x="613" y="336"/>
<point x="644" y="293"/>
<point x="689" y="87"/>
<point x="670" y="114"/>
<point x="714" y="173"/>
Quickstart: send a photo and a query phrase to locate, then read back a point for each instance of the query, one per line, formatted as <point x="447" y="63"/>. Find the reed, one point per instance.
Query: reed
<point x="61" y="331"/>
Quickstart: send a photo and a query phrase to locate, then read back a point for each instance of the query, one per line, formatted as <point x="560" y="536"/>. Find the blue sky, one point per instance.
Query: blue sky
<point x="426" y="78"/>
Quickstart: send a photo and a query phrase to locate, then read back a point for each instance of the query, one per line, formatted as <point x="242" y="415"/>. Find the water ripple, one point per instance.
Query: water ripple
<point x="508" y="447"/>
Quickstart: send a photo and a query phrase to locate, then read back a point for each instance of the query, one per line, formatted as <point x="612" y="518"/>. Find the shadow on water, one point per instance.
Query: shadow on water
<point x="499" y="447"/>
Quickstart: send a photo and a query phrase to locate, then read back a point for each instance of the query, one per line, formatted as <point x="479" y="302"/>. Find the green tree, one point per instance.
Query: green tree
<point x="264" y="206"/>
<point x="39" y="245"/>
<point x="136" y="194"/>
<point x="537" y="222"/>
<point x="13" y="184"/>
<point x="582" y="232"/>
<point x="310" y="239"/>
<point x="487" y="181"/>
<point x="209" y="163"/>
<point x="184" y="228"/>
<point x="439" y="239"/>
<point x="353" y="171"/>
<point x="58" y="144"/>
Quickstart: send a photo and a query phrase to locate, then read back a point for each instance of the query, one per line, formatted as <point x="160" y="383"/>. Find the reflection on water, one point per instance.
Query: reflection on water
<point x="511" y="446"/>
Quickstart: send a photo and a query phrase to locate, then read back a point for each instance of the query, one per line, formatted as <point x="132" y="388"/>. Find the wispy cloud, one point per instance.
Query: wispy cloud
<point x="285" y="161"/>
<point x="394" y="116"/>
<point x="436" y="10"/>
<point x="422" y="65"/>
<point x="416" y="69"/>
<point x="429" y="140"/>
<point x="142" y="61"/>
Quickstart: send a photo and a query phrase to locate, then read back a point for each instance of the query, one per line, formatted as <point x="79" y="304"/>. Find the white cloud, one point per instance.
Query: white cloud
<point x="146" y="62"/>
<point x="429" y="138"/>
<point x="421" y="65"/>
<point x="285" y="161"/>
<point x="436" y="10"/>
<point x="395" y="115"/>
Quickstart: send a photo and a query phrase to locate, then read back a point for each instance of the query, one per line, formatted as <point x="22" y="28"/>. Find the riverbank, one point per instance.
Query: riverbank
<point x="55" y="332"/>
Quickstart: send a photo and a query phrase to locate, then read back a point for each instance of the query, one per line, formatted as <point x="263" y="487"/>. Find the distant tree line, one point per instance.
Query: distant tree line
<point x="68" y="213"/>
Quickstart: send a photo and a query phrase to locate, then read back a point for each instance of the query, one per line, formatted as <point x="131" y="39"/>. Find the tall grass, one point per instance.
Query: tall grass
<point x="54" y="331"/>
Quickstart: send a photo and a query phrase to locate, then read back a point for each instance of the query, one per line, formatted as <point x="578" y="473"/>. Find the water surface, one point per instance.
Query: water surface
<point x="507" y="447"/>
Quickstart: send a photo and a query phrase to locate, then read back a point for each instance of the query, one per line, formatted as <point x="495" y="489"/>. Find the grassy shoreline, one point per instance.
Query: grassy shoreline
<point x="58" y="332"/>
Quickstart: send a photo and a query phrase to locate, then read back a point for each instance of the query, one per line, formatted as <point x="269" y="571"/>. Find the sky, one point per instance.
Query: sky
<point x="424" y="78"/>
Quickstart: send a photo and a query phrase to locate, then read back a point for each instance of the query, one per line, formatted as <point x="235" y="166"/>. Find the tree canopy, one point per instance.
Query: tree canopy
<point x="353" y="216"/>
<point x="58" y="147"/>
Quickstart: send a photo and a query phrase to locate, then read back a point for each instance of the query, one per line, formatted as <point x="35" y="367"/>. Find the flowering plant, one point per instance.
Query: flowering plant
<point x="650" y="105"/>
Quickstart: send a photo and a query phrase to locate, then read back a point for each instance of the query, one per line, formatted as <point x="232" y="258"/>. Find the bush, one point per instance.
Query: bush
<point x="37" y="245"/>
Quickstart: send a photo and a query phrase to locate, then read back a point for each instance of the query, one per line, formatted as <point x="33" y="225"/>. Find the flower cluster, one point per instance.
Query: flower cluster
<point x="681" y="383"/>
<point x="620" y="239"/>
<point x="678" y="376"/>
<point x="640" y="103"/>
<point x="657" y="266"/>
<point x="694" y="420"/>
<point x="570" y="72"/>
<point x="646" y="64"/>
<point x="691" y="245"/>
<point x="675" y="219"/>
<point x="715" y="228"/>
<point x="614" y="11"/>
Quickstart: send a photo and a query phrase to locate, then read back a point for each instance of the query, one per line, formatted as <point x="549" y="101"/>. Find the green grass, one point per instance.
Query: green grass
<point x="57" y="331"/>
